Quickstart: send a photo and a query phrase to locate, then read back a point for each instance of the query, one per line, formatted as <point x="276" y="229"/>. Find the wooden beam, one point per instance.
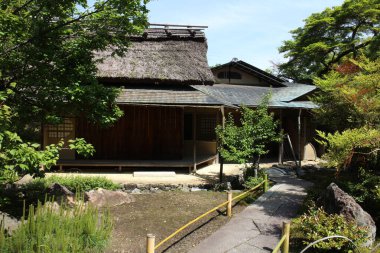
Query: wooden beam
<point x="281" y="144"/>
<point x="174" y="25"/>
<point x="194" y="140"/>
<point x="299" y="138"/>
<point x="220" y="157"/>
<point x="291" y="148"/>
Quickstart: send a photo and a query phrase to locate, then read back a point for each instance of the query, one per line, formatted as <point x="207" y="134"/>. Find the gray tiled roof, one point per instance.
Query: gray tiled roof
<point x="169" y="96"/>
<point x="292" y="91"/>
<point x="218" y="94"/>
<point x="253" y="95"/>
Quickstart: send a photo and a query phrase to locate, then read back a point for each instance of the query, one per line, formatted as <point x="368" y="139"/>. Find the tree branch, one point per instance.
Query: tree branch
<point x="368" y="153"/>
<point x="55" y="28"/>
<point x="22" y="7"/>
<point x="340" y="56"/>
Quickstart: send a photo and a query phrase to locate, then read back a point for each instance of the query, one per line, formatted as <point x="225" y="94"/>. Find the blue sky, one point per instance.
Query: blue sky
<point x="250" y="30"/>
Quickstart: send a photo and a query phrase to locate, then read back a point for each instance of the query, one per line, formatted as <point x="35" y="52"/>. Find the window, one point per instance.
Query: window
<point x="229" y="75"/>
<point x="62" y="130"/>
<point x="206" y="124"/>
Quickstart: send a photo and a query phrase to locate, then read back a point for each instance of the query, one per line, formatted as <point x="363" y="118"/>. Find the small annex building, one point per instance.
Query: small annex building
<point x="172" y="101"/>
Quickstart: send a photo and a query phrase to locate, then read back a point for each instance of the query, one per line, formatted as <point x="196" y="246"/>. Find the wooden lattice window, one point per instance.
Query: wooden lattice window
<point x="206" y="124"/>
<point x="62" y="130"/>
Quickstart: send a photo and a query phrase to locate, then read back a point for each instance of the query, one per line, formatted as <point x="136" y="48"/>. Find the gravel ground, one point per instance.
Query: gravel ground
<point x="163" y="213"/>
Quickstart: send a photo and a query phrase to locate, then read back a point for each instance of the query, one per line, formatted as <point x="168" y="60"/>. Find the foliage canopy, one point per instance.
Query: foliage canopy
<point x="329" y="37"/>
<point x="247" y="141"/>
<point x="350" y="97"/>
<point x="350" y="107"/>
<point x="47" y="72"/>
<point x="47" y="49"/>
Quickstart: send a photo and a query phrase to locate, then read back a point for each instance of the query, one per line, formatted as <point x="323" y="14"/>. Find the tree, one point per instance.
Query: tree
<point x="329" y="37"/>
<point x="246" y="142"/>
<point x="349" y="100"/>
<point x="349" y="96"/>
<point x="46" y="48"/>
<point x="47" y="72"/>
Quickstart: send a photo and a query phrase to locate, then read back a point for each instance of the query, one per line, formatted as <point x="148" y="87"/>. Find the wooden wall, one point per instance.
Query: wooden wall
<point x="143" y="133"/>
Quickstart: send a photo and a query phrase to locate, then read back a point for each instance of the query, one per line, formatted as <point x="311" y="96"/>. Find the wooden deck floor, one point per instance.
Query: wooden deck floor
<point x="184" y="163"/>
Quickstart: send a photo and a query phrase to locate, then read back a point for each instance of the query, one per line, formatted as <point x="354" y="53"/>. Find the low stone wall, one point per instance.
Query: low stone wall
<point x="156" y="188"/>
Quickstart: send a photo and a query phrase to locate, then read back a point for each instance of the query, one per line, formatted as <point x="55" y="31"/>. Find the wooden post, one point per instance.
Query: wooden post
<point x="286" y="232"/>
<point x="299" y="139"/>
<point x="265" y="182"/>
<point x="281" y="144"/>
<point x="220" y="156"/>
<point x="150" y="238"/>
<point x="229" y="205"/>
<point x="195" y="141"/>
<point x="291" y="148"/>
<point x="220" y="168"/>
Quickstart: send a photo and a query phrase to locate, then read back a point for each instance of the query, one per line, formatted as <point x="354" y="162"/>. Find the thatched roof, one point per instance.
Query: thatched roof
<point x="163" y="56"/>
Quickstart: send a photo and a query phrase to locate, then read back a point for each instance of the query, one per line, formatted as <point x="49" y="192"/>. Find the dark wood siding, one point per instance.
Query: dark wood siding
<point x="143" y="133"/>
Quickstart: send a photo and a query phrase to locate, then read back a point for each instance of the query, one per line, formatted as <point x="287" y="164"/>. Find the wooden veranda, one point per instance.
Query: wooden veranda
<point x="120" y="164"/>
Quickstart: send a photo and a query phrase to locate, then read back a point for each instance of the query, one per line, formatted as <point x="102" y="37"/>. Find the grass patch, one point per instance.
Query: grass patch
<point x="48" y="229"/>
<point x="74" y="183"/>
<point x="11" y="200"/>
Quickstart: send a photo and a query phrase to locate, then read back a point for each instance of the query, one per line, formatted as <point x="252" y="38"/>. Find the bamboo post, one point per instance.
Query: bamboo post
<point x="150" y="238"/>
<point x="286" y="232"/>
<point x="229" y="204"/>
<point x="265" y="182"/>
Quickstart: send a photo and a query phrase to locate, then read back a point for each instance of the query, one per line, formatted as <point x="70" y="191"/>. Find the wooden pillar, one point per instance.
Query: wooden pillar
<point x="281" y="144"/>
<point x="304" y="135"/>
<point x="220" y="157"/>
<point x="195" y="140"/>
<point x="299" y="139"/>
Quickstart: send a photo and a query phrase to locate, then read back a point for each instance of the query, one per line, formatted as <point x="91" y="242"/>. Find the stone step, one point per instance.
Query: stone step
<point x="154" y="174"/>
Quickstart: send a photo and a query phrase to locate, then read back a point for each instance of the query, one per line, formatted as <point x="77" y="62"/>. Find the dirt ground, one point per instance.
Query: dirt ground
<point x="163" y="213"/>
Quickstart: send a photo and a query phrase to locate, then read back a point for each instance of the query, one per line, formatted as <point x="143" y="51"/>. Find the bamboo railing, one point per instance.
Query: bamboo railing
<point x="284" y="242"/>
<point x="150" y="244"/>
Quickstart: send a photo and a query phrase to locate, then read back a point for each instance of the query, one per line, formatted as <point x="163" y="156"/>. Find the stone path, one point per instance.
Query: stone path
<point x="258" y="227"/>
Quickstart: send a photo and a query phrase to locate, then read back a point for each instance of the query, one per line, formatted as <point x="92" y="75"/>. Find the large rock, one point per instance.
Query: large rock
<point x="237" y="182"/>
<point x="61" y="194"/>
<point x="10" y="223"/>
<point x="107" y="198"/>
<point x="336" y="201"/>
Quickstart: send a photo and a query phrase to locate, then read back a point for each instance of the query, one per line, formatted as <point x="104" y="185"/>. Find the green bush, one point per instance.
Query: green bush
<point x="351" y="148"/>
<point x="252" y="181"/>
<point x="74" y="183"/>
<point x="48" y="229"/>
<point x="317" y="224"/>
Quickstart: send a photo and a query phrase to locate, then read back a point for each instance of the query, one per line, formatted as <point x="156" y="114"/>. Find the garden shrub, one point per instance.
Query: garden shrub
<point x="252" y="181"/>
<point x="352" y="147"/>
<point x="317" y="224"/>
<point x="74" y="183"/>
<point x="51" y="229"/>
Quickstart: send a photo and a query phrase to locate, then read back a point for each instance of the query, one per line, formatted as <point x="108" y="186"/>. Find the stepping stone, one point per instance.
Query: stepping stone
<point x="154" y="174"/>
